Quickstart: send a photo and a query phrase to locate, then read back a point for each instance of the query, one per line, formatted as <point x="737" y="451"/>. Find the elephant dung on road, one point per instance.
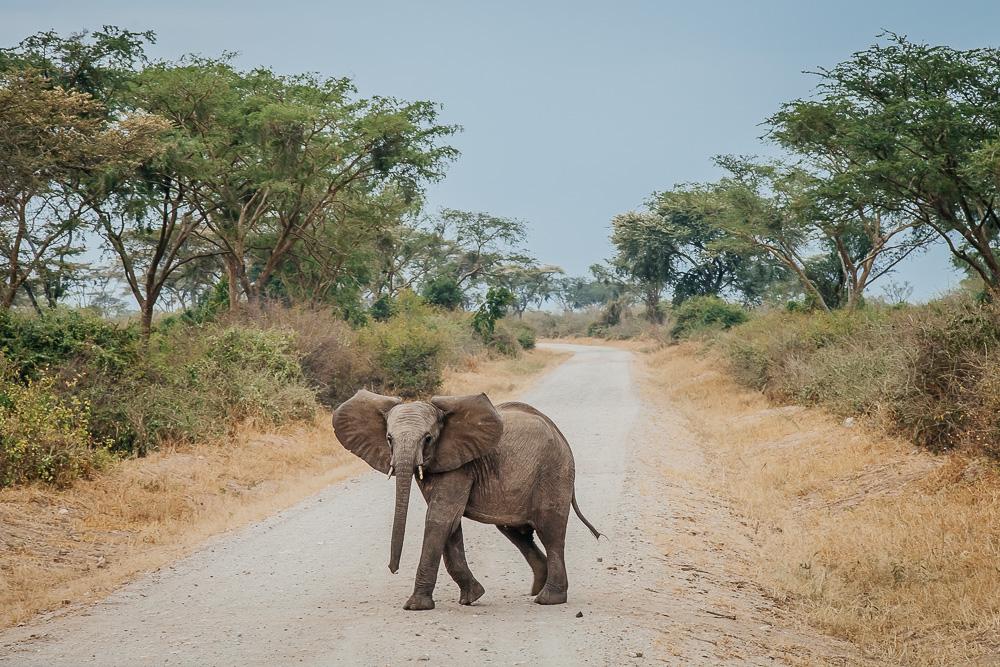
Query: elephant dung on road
<point x="507" y="465"/>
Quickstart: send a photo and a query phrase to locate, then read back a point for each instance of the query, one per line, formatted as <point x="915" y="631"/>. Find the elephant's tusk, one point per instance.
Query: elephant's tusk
<point x="420" y="471"/>
<point x="391" y="470"/>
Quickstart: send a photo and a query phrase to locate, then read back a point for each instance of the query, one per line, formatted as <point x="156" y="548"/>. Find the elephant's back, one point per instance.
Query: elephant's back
<point x="532" y="457"/>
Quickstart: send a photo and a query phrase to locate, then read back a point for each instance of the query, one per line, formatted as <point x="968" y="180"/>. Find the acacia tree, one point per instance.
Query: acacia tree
<point x="149" y="228"/>
<point x="277" y="157"/>
<point x="481" y="245"/>
<point x="647" y="253"/>
<point x="530" y="284"/>
<point x="51" y="140"/>
<point x="915" y="129"/>
<point x="705" y="264"/>
<point x="465" y="250"/>
<point x="795" y="216"/>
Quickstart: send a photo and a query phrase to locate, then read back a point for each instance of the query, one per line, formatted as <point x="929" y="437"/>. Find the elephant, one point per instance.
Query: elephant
<point x="506" y="465"/>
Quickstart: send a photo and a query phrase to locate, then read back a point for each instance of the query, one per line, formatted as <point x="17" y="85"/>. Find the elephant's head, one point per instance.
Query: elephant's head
<point x="406" y="438"/>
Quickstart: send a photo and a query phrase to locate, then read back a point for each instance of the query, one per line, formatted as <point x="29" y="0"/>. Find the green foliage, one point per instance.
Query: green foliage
<point x="525" y="337"/>
<point x="408" y="352"/>
<point x="926" y="372"/>
<point x="67" y="337"/>
<point x="704" y="313"/>
<point x="43" y="433"/>
<point x="381" y="309"/>
<point x="444" y="291"/>
<point x="504" y="340"/>
<point x="494" y="306"/>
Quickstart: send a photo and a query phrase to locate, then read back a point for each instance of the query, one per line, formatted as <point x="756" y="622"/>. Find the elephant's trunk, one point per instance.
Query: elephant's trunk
<point x="404" y="479"/>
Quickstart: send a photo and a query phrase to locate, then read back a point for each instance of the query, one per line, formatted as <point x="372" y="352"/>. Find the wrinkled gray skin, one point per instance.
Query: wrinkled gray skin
<point x="508" y="466"/>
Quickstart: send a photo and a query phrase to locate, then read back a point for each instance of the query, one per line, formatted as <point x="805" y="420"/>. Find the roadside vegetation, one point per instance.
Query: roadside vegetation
<point x="872" y="540"/>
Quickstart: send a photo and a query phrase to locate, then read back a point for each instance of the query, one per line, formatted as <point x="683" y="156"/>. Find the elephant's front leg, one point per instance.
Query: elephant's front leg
<point x="445" y="506"/>
<point x="458" y="568"/>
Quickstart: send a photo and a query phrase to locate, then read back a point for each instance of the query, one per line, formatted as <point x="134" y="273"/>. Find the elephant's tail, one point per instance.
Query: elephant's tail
<point x="576" y="508"/>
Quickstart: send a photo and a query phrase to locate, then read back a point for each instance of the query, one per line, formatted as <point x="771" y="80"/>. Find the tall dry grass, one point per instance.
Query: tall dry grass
<point x="878" y="543"/>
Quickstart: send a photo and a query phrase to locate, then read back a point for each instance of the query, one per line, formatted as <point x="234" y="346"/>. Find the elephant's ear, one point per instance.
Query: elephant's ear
<point x="359" y="424"/>
<point x="472" y="427"/>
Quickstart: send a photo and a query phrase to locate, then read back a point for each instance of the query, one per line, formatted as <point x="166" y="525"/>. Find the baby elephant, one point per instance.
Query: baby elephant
<point x="507" y="465"/>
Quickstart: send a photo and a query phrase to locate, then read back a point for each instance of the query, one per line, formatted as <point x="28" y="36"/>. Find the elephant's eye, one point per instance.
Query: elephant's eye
<point x="427" y="439"/>
<point x="388" y="438"/>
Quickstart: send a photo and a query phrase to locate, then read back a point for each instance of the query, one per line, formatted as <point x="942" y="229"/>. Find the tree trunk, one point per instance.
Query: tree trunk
<point x="653" y="312"/>
<point x="232" y="276"/>
<point x="146" y="320"/>
<point x="31" y="297"/>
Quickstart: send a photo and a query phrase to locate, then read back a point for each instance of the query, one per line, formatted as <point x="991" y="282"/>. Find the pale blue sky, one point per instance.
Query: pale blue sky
<point x="573" y="111"/>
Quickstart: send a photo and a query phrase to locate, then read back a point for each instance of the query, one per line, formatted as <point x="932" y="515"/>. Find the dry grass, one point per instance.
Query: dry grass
<point x="77" y="544"/>
<point x="888" y="547"/>
<point x="501" y="379"/>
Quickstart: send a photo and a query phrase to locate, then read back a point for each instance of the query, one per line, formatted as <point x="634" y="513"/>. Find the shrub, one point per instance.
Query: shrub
<point x="32" y="343"/>
<point x="332" y="356"/>
<point x="703" y="313"/>
<point x="926" y="372"/>
<point x="255" y="373"/>
<point x="408" y="350"/>
<point x="504" y="339"/>
<point x="444" y="291"/>
<point x="526" y="337"/>
<point x="43" y="435"/>
<point x="493" y="307"/>
<point x="568" y="324"/>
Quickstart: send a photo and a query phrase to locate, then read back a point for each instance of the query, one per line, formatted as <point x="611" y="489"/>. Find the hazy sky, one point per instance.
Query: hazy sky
<point x="572" y="111"/>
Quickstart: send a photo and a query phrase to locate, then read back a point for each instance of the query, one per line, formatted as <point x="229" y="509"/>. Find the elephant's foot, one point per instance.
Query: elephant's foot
<point x="538" y="583"/>
<point x="549" y="596"/>
<point x="418" y="602"/>
<point x="472" y="593"/>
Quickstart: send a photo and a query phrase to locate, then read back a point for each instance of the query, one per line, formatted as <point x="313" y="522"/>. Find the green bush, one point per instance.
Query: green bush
<point x="408" y="350"/>
<point x="254" y="373"/>
<point x="705" y="313"/>
<point x="333" y="358"/>
<point x="55" y="338"/>
<point x="526" y="337"/>
<point x="444" y="291"/>
<point x="504" y="339"/>
<point x="44" y="435"/>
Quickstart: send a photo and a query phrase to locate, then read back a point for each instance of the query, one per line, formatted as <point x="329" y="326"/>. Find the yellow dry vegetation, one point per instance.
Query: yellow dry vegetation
<point x="75" y="545"/>
<point x="501" y="379"/>
<point x="891" y="548"/>
<point x="79" y="543"/>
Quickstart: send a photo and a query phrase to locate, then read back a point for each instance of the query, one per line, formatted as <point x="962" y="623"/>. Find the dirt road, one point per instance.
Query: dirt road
<point x="673" y="583"/>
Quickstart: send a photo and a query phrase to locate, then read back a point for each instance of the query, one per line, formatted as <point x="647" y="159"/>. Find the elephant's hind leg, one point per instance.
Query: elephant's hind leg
<point x="458" y="568"/>
<point x="552" y="531"/>
<point x="522" y="537"/>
